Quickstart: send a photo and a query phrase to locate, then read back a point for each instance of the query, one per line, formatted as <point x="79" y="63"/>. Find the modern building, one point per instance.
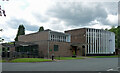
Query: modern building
<point x="19" y="49"/>
<point x="76" y="42"/>
<point x="98" y="41"/>
<point x="49" y="42"/>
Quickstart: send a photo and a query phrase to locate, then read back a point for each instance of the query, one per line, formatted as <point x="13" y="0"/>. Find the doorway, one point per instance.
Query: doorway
<point x="74" y="50"/>
<point x="83" y="50"/>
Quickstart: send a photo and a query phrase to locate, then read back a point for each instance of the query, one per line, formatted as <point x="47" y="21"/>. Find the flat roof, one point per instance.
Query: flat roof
<point x="88" y="28"/>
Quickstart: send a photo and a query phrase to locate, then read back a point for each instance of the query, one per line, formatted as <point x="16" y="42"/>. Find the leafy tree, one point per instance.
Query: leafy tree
<point x="117" y="34"/>
<point x="118" y="37"/>
<point x="21" y="31"/>
<point x="106" y="29"/>
<point x="41" y="29"/>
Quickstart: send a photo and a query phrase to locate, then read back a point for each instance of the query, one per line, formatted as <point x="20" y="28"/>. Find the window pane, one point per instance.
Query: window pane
<point x="55" y="47"/>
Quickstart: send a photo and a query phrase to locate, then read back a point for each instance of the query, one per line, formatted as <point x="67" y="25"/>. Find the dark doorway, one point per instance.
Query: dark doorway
<point x="3" y="54"/>
<point x="83" y="50"/>
<point x="74" y="50"/>
<point x="8" y="54"/>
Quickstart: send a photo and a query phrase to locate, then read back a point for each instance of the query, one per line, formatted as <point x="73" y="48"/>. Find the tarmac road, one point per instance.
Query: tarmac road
<point x="89" y="64"/>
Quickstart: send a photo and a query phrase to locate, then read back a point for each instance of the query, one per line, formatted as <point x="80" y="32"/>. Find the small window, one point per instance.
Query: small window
<point x="55" y="47"/>
<point x="3" y="49"/>
<point x="8" y="48"/>
<point x="53" y="36"/>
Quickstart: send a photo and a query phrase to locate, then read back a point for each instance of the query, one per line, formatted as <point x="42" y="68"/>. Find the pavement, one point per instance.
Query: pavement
<point x="88" y="64"/>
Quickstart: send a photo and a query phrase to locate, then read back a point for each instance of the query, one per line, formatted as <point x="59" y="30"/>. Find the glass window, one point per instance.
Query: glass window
<point x="3" y="49"/>
<point x="8" y="48"/>
<point x="53" y="36"/>
<point x="55" y="47"/>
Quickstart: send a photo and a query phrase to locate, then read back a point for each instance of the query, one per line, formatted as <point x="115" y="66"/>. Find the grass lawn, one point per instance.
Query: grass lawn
<point x="2" y="61"/>
<point x="114" y="56"/>
<point x="30" y="60"/>
<point x="67" y="58"/>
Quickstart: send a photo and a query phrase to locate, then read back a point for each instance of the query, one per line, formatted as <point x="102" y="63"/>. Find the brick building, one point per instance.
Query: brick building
<point x="84" y="41"/>
<point x="50" y="42"/>
<point x="98" y="41"/>
<point x="76" y="42"/>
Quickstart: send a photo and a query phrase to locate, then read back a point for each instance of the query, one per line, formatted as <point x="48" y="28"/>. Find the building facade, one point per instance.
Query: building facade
<point x="97" y="41"/>
<point x="101" y="41"/>
<point x="76" y="42"/>
<point x="49" y="42"/>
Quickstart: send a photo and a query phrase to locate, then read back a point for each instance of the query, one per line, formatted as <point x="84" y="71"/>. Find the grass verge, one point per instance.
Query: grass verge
<point x="67" y="58"/>
<point x="30" y="60"/>
<point x="114" y="56"/>
<point x="2" y="61"/>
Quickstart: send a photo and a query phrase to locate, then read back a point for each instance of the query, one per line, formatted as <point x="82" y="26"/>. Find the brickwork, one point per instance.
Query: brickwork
<point x="63" y="49"/>
<point x="77" y="35"/>
<point x="43" y="35"/>
<point x="43" y="48"/>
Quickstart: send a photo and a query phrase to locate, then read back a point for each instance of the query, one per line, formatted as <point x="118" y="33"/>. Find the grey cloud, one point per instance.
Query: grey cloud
<point x="77" y="14"/>
<point x="14" y="23"/>
<point x="40" y="18"/>
<point x="112" y="7"/>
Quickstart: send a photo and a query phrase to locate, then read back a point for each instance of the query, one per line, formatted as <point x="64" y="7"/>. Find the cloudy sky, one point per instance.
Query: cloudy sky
<point x="56" y="15"/>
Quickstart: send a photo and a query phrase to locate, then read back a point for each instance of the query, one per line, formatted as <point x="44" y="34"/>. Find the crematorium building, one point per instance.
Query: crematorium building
<point x="76" y="42"/>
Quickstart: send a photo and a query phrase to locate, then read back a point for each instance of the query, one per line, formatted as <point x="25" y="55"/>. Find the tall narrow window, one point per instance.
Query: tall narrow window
<point x="56" y="47"/>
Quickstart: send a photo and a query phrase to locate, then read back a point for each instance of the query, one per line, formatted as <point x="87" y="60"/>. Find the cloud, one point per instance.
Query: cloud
<point x="58" y="16"/>
<point x="77" y="14"/>
<point x="40" y="18"/>
<point x="14" y="23"/>
<point x="81" y="14"/>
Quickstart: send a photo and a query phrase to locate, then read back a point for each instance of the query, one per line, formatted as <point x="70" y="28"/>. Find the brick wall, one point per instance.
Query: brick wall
<point x="63" y="49"/>
<point x="43" y="35"/>
<point x="77" y="35"/>
<point x="42" y="48"/>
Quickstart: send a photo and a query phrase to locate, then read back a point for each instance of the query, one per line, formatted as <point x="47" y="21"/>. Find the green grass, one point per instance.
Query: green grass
<point x="114" y="56"/>
<point x="2" y="61"/>
<point x="68" y="58"/>
<point x="29" y="60"/>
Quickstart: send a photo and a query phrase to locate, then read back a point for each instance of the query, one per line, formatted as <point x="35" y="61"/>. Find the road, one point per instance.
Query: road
<point x="89" y="64"/>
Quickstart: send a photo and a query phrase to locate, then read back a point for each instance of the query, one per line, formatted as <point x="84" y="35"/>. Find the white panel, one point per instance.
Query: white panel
<point x="95" y="41"/>
<point x="88" y="41"/>
<point x="103" y="42"/>
<point x="106" y="43"/>
<point x="112" y="43"/>
<point x="91" y="41"/>
<point x="99" y="41"/>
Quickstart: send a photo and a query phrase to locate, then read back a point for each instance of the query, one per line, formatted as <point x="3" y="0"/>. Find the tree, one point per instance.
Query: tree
<point x="106" y="29"/>
<point x="41" y="29"/>
<point x="21" y="31"/>
<point x="118" y="37"/>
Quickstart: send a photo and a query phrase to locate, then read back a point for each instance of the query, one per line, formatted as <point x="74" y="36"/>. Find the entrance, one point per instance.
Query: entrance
<point x="83" y="50"/>
<point x="74" y="50"/>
